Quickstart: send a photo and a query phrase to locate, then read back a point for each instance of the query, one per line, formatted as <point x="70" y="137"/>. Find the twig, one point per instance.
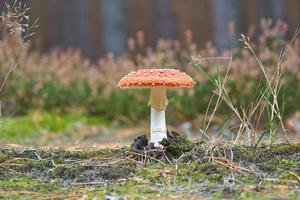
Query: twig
<point x="8" y="73"/>
<point x="231" y="165"/>
<point x="296" y="176"/>
<point x="6" y="164"/>
<point x="88" y="164"/>
<point x="145" y="156"/>
<point x="90" y="183"/>
<point x="167" y="158"/>
<point x="279" y="180"/>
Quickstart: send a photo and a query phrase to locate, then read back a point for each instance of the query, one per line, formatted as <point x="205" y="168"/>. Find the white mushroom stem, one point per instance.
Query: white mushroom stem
<point x="158" y="102"/>
<point x="158" y="126"/>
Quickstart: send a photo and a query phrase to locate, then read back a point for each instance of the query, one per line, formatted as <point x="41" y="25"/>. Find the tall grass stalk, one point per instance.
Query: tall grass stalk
<point x="15" y="23"/>
<point x="265" y="103"/>
<point x="15" y="27"/>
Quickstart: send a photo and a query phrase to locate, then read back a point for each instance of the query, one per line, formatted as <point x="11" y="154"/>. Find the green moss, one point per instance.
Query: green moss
<point x="242" y="152"/>
<point x="276" y="157"/>
<point x="284" y="149"/>
<point x="58" y="170"/>
<point x="27" y="184"/>
<point x="3" y="157"/>
<point x="150" y="174"/>
<point x="131" y="189"/>
<point x="197" y="172"/>
<point x="176" y="144"/>
<point x="250" y="195"/>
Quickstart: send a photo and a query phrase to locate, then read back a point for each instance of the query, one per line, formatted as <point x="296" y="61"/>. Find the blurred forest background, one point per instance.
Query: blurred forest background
<point x="101" y="26"/>
<point x="64" y="88"/>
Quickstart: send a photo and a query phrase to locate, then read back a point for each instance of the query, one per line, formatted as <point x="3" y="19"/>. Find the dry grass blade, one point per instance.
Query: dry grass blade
<point x="274" y="83"/>
<point x="15" y="20"/>
<point x="280" y="180"/>
<point x="6" y="164"/>
<point x="90" y="164"/>
<point x="295" y="175"/>
<point x="145" y="156"/>
<point x="231" y="165"/>
<point x="35" y="195"/>
<point x="264" y="103"/>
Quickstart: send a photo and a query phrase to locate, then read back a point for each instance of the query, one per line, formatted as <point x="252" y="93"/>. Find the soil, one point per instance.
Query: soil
<point x="182" y="169"/>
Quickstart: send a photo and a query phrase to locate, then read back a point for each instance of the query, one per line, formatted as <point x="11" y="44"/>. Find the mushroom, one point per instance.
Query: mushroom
<point x="158" y="80"/>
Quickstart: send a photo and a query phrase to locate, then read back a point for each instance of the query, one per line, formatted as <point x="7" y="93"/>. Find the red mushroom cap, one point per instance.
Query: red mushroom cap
<point x="148" y="78"/>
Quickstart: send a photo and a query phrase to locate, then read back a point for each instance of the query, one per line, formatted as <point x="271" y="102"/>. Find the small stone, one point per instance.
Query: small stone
<point x="110" y="197"/>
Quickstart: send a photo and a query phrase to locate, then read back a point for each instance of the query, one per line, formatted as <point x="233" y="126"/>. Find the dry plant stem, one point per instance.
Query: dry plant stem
<point x="231" y="165"/>
<point x="223" y="96"/>
<point x="144" y="156"/>
<point x="273" y="85"/>
<point x="279" y="180"/>
<point x="206" y="125"/>
<point x="218" y="93"/>
<point x="8" y="73"/>
<point x="16" y="61"/>
<point x="158" y="102"/>
<point x="245" y="115"/>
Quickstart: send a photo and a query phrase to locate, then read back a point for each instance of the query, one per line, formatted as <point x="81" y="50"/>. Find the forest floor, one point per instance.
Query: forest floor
<point x="182" y="169"/>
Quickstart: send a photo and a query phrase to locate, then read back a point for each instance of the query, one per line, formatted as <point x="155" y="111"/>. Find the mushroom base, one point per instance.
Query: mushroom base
<point x="158" y="126"/>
